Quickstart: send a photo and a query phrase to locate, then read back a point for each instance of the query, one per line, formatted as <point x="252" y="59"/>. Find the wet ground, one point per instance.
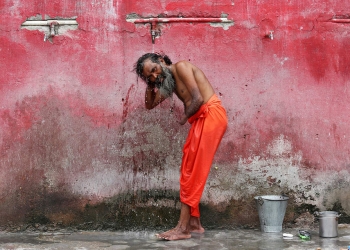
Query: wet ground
<point x="211" y="239"/>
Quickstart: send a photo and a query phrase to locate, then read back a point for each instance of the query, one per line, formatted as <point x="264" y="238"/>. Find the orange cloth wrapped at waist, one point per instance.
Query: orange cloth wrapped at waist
<point x="208" y="126"/>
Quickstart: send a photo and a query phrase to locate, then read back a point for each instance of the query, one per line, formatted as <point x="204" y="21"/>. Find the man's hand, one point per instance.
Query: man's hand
<point x="151" y="85"/>
<point x="183" y="120"/>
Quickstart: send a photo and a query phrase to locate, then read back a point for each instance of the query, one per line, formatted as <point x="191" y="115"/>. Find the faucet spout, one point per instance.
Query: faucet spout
<point x="153" y="34"/>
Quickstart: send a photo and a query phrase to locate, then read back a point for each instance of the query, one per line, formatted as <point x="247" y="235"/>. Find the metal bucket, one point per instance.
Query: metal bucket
<point x="328" y="224"/>
<point x="272" y="209"/>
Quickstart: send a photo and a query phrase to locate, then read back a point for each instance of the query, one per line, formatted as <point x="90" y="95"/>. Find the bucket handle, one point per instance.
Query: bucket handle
<point x="260" y="201"/>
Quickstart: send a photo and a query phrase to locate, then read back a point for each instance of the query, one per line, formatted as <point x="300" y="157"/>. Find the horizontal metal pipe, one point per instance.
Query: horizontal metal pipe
<point x="340" y="20"/>
<point x="48" y="22"/>
<point x="179" y="19"/>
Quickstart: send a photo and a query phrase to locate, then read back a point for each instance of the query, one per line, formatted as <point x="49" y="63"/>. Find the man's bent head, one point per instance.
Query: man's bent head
<point x="150" y="68"/>
<point x="154" y="57"/>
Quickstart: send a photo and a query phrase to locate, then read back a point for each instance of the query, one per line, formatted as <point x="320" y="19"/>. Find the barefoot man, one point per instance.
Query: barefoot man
<point x="203" y="110"/>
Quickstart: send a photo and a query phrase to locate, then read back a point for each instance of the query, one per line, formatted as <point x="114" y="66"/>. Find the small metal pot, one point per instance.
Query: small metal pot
<point x="328" y="223"/>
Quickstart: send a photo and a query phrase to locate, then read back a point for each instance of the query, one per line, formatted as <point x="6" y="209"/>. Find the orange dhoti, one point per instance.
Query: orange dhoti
<point x="208" y="126"/>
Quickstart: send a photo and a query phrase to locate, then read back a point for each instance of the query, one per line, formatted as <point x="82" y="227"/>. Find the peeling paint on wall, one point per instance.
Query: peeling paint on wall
<point x="50" y="27"/>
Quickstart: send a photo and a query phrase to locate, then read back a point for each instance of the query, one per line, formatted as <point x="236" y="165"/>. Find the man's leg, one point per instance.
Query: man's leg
<point x="182" y="230"/>
<point x="195" y="225"/>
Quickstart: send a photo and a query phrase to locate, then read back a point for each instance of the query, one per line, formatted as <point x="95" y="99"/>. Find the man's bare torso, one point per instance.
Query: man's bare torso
<point x="194" y="77"/>
<point x="191" y="85"/>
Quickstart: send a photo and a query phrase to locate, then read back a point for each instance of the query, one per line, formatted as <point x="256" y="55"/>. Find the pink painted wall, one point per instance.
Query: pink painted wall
<point x="77" y="144"/>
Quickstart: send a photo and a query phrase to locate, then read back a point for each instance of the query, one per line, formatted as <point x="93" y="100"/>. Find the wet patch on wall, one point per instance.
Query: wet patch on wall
<point x="154" y="210"/>
<point x="55" y="160"/>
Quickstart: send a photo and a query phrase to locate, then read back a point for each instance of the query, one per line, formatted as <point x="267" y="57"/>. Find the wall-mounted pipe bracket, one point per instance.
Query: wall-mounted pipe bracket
<point x="154" y="21"/>
<point x="50" y="27"/>
<point x="339" y="19"/>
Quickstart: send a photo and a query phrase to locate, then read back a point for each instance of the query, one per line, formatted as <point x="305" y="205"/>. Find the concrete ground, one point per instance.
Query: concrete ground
<point x="212" y="239"/>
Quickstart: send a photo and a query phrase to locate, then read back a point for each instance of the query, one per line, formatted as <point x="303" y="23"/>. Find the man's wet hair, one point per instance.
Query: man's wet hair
<point x="154" y="57"/>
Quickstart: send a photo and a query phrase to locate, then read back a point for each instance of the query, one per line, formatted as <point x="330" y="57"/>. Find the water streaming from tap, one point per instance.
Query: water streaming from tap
<point x="117" y="9"/>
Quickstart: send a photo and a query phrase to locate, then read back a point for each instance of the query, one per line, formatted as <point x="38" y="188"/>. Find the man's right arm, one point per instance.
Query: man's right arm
<point x="152" y="97"/>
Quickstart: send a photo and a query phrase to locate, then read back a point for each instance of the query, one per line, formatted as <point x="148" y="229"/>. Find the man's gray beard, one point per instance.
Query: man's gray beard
<point x="167" y="86"/>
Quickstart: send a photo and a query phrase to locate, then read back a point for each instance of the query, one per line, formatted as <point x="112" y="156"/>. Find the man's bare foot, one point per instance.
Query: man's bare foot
<point x="195" y="225"/>
<point x="174" y="234"/>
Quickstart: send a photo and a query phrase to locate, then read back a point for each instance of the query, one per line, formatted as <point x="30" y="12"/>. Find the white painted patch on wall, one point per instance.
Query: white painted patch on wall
<point x="280" y="146"/>
<point x="225" y="26"/>
<point x="252" y="175"/>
